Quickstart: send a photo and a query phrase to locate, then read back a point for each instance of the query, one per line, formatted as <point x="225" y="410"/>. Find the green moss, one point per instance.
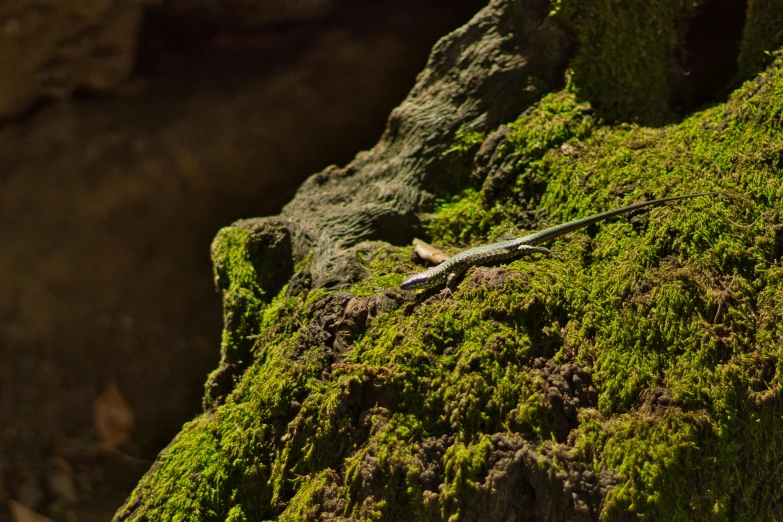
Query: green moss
<point x="457" y="160"/>
<point x="464" y="217"/>
<point x="763" y="34"/>
<point x="626" y="55"/>
<point x="387" y="266"/>
<point x="243" y="303"/>
<point x="465" y="466"/>
<point x="235" y="514"/>
<point x="647" y="352"/>
<point x="656" y="456"/>
<point x="466" y="142"/>
<point x="304" y="506"/>
<point x="558" y="119"/>
<point x="233" y="448"/>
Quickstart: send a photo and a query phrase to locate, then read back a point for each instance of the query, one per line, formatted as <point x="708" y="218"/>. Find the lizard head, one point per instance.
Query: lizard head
<point x="416" y="281"/>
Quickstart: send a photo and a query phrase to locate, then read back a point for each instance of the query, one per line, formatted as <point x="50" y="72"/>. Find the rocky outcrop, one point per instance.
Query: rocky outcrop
<point x="631" y="376"/>
<point x="494" y="66"/>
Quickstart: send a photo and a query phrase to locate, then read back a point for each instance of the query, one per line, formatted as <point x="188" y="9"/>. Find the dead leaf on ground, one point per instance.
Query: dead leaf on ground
<point x="20" y="513"/>
<point x="429" y="252"/>
<point x="113" y="418"/>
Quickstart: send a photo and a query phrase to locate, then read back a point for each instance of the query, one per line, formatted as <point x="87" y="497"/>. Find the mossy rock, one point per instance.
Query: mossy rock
<point x="635" y="375"/>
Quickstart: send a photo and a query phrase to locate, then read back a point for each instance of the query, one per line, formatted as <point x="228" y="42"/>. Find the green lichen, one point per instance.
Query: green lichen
<point x="660" y="333"/>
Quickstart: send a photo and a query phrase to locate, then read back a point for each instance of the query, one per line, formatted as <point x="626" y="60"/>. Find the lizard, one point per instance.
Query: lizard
<point x="449" y="270"/>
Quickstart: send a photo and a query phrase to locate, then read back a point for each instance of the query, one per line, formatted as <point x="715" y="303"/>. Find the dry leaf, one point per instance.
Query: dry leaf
<point x="429" y="252"/>
<point x="60" y="480"/>
<point x="19" y="513"/>
<point x="112" y="417"/>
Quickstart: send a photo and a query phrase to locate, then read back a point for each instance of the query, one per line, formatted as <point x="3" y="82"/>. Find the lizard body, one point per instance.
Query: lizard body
<point x="453" y="267"/>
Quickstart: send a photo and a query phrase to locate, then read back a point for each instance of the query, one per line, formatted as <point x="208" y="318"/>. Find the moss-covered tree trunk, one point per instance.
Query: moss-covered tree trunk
<point x="636" y="374"/>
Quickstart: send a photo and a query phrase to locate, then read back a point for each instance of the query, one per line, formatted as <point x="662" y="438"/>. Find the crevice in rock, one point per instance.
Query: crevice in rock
<point x="709" y="50"/>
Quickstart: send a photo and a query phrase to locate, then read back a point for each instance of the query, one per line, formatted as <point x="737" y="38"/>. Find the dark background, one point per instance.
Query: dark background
<point x="111" y="191"/>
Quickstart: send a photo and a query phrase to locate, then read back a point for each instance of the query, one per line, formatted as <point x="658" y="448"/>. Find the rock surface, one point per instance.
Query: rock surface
<point x="50" y="48"/>
<point x="251" y="13"/>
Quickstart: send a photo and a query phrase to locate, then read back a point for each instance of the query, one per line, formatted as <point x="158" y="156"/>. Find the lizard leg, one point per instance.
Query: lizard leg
<point x="450" y="281"/>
